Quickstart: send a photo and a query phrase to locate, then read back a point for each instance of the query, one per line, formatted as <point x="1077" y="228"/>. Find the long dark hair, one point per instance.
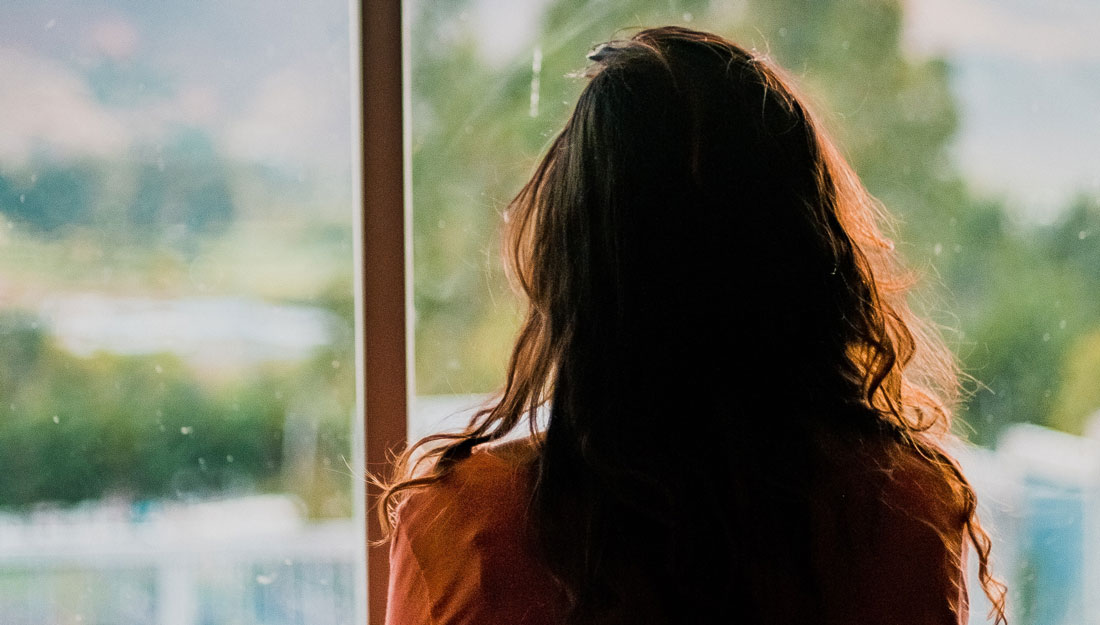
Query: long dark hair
<point x="710" y="297"/>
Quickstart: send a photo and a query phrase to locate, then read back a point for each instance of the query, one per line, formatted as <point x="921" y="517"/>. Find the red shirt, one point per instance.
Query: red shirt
<point x="462" y="555"/>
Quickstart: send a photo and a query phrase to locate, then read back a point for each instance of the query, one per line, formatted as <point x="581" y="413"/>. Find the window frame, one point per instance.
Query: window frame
<point x="384" y="272"/>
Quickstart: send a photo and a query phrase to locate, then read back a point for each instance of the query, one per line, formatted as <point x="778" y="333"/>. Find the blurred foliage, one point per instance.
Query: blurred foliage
<point x="1079" y="393"/>
<point x="154" y="426"/>
<point x="192" y="192"/>
<point x="182" y="185"/>
<point x="1013" y="296"/>
<point x="61" y="196"/>
<point x="144" y="427"/>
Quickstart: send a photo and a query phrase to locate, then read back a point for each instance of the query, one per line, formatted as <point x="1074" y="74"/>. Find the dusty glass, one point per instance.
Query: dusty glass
<point x="177" y="380"/>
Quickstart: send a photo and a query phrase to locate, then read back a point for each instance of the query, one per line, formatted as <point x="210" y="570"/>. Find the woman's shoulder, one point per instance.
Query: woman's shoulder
<point x="490" y="485"/>
<point x="477" y="512"/>
<point x="466" y="537"/>
<point x="891" y="525"/>
<point x="921" y="483"/>
<point x="897" y="472"/>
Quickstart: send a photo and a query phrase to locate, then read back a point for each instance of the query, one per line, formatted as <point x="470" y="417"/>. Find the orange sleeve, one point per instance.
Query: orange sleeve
<point x="460" y="554"/>
<point x="407" y="601"/>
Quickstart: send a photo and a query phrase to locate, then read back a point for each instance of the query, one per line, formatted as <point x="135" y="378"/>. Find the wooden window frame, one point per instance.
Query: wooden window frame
<point x="384" y="270"/>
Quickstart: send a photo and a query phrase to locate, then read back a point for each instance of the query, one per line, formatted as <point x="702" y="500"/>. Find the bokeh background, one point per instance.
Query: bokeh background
<point x="176" y="268"/>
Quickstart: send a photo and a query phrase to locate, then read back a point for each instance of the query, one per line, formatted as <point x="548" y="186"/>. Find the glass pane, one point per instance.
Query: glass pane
<point x="985" y="150"/>
<point x="491" y="85"/>
<point x="176" y="208"/>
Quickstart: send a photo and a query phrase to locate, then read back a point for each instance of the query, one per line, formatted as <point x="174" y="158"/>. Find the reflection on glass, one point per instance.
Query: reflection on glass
<point x="984" y="148"/>
<point x="177" y="380"/>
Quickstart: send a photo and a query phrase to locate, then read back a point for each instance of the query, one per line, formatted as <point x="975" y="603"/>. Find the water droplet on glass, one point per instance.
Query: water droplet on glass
<point x="288" y="562"/>
<point x="264" y="580"/>
<point x="159" y="369"/>
<point x="202" y="464"/>
<point x="50" y="24"/>
<point x="335" y="364"/>
<point x="1062" y="324"/>
<point x="22" y="198"/>
<point x="938" y="249"/>
<point x="1082" y="234"/>
<point x="536" y="78"/>
<point x="56" y="419"/>
<point x="229" y="458"/>
<point x="1046" y="336"/>
<point x="187" y="429"/>
<point x="688" y="17"/>
<point x="845" y="44"/>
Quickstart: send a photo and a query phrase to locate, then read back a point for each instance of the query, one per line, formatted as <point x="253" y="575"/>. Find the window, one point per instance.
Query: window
<point x="178" y="255"/>
<point x="177" y="321"/>
<point x="973" y="122"/>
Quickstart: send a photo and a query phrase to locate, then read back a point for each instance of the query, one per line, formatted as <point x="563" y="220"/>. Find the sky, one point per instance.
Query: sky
<point x="270" y="82"/>
<point x="1026" y="74"/>
<point x="267" y="81"/>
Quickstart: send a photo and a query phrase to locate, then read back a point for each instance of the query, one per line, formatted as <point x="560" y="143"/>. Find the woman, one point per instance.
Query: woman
<point x="733" y="416"/>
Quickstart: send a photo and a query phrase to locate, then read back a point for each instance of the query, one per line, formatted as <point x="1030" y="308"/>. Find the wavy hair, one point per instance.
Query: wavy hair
<point x="710" y="295"/>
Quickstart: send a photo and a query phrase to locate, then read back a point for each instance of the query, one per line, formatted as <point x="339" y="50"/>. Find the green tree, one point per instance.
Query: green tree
<point x="146" y="427"/>
<point x="50" y="200"/>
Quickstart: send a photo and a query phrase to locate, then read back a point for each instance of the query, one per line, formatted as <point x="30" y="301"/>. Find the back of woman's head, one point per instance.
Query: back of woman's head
<point x="709" y="296"/>
<point x="687" y="225"/>
<point x="705" y="307"/>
